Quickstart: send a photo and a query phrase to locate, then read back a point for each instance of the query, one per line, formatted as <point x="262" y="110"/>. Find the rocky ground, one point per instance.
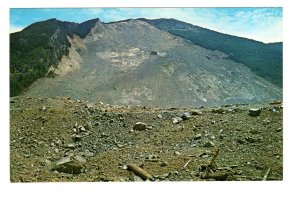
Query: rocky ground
<point x="65" y="140"/>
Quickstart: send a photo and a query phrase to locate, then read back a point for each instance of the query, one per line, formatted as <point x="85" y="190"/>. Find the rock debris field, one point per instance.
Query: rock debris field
<point x="66" y="140"/>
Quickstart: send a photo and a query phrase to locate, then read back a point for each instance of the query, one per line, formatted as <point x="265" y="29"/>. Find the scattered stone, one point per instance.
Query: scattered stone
<point x="159" y="116"/>
<point x="198" y="137"/>
<point x="176" y="120"/>
<point x="76" y="138"/>
<point x="81" y="128"/>
<point x="195" y="112"/>
<point x="153" y="53"/>
<point x="87" y="153"/>
<point x="253" y="112"/>
<point x="212" y="137"/>
<point x="279" y="129"/>
<point x="177" y="153"/>
<point x="71" y="164"/>
<point x="240" y="141"/>
<point x="209" y="144"/>
<point x="26" y="155"/>
<point x="89" y="106"/>
<point x="186" y="116"/>
<point x="164" y="163"/>
<point x="250" y="140"/>
<point x="71" y="146"/>
<point x="140" y="126"/>
<point x="219" y="110"/>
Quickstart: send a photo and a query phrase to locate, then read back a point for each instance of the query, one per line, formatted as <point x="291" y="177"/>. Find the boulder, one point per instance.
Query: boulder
<point x="186" y="116"/>
<point x="71" y="164"/>
<point x="253" y="112"/>
<point x="140" y="126"/>
<point x="195" y="112"/>
<point x="176" y="120"/>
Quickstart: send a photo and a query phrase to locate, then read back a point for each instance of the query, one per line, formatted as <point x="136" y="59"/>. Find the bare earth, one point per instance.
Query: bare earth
<point x="224" y="143"/>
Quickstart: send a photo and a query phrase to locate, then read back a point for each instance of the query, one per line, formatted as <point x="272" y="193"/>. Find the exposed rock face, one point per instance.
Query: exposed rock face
<point x="70" y="62"/>
<point x="132" y="62"/>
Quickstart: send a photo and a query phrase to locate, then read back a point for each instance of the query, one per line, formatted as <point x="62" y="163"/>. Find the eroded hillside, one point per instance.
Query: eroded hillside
<point x="132" y="62"/>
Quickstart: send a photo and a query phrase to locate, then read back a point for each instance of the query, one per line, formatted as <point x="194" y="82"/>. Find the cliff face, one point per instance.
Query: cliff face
<point x="134" y="62"/>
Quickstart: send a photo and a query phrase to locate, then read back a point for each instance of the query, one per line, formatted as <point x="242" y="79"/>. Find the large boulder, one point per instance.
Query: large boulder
<point x="72" y="164"/>
<point x="140" y="126"/>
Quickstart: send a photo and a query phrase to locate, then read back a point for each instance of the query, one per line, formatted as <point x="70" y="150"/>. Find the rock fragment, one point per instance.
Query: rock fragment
<point x="253" y="112"/>
<point x="176" y="120"/>
<point x="198" y="137"/>
<point x="209" y="144"/>
<point x="140" y="126"/>
<point x="195" y="112"/>
<point x="186" y="116"/>
<point x="71" y="164"/>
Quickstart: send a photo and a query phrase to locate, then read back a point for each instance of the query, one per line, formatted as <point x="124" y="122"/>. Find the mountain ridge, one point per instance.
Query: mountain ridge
<point x="135" y="62"/>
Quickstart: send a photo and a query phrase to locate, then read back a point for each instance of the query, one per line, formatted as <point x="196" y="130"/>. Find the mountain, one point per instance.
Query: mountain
<point x="143" y="62"/>
<point x="39" y="46"/>
<point x="265" y="60"/>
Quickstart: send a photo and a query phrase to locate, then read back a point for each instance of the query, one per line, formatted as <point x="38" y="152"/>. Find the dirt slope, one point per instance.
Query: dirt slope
<point x="132" y="62"/>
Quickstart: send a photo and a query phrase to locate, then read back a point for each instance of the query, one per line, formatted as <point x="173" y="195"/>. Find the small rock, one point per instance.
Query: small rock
<point x="195" y="112"/>
<point x="159" y="116"/>
<point x="212" y="137"/>
<point x="139" y="126"/>
<point x="209" y="144"/>
<point x="198" y="137"/>
<point x="177" y="153"/>
<point x="71" y="146"/>
<point x="176" y="120"/>
<point x="164" y="163"/>
<point x="81" y="128"/>
<point x="89" y="106"/>
<point x="240" y="141"/>
<point x="186" y="116"/>
<point x="76" y="138"/>
<point x="218" y="110"/>
<point x="87" y="153"/>
<point x="26" y="155"/>
<point x="253" y="112"/>
<point x="250" y="140"/>
<point x="124" y="167"/>
<point x="279" y="129"/>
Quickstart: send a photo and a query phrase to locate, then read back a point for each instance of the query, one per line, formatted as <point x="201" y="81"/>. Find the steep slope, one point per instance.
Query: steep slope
<point x="133" y="62"/>
<point x="265" y="60"/>
<point x="38" y="47"/>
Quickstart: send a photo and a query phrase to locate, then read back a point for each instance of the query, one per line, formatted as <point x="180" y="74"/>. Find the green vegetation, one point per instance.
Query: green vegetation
<point x="39" y="46"/>
<point x="33" y="51"/>
<point x="263" y="59"/>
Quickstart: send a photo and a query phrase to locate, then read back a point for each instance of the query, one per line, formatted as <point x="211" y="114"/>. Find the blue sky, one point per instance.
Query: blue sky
<point x="262" y="24"/>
